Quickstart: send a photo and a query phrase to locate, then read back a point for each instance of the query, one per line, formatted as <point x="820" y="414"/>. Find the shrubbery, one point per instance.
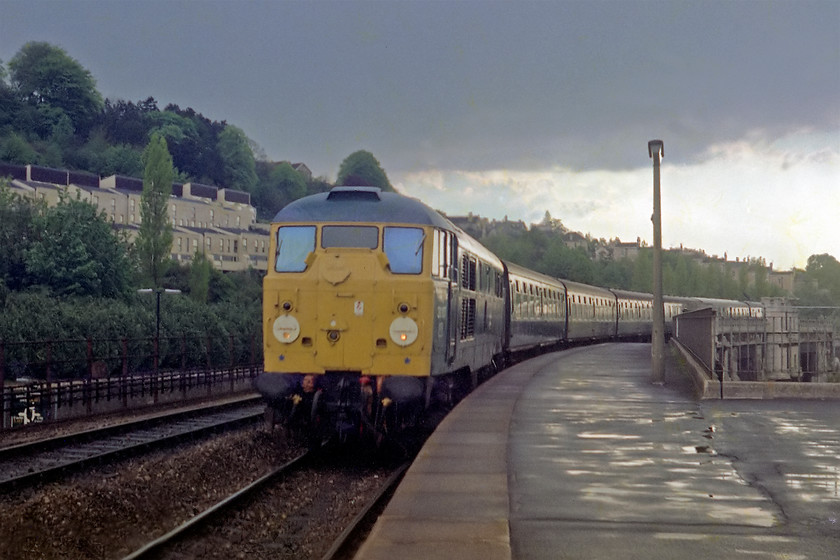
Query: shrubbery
<point x="67" y="278"/>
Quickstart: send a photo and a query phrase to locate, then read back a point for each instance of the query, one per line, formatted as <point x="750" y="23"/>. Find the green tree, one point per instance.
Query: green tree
<point x="824" y="270"/>
<point x="154" y="241"/>
<point x="103" y="158"/>
<point x="281" y="186"/>
<point x="17" y="150"/>
<point x="62" y="132"/>
<point x="76" y="252"/>
<point x="181" y="138"/>
<point x="198" y="156"/>
<point x="199" y="280"/>
<point x="123" y="122"/>
<point x="46" y="77"/>
<point x="9" y="104"/>
<point x="16" y="233"/>
<point x="560" y="261"/>
<point x="642" y="279"/>
<point x="614" y="274"/>
<point x="362" y="169"/>
<point x="239" y="168"/>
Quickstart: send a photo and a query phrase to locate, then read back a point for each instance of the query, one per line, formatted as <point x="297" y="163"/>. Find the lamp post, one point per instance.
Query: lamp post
<point x="656" y="150"/>
<point x="157" y="292"/>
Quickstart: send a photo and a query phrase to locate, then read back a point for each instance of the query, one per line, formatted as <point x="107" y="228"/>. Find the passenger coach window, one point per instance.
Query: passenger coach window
<point x="350" y="237"/>
<point x="404" y="249"/>
<point x="294" y="243"/>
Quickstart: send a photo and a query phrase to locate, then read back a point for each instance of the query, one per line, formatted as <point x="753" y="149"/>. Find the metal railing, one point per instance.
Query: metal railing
<point x="757" y="349"/>
<point x="53" y="380"/>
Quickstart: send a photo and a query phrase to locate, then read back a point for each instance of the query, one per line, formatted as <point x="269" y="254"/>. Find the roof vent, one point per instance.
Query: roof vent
<point x="355" y="193"/>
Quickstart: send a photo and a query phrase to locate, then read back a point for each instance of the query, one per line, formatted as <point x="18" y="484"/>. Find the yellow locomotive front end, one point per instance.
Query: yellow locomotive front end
<point x="347" y="312"/>
<point x="335" y="301"/>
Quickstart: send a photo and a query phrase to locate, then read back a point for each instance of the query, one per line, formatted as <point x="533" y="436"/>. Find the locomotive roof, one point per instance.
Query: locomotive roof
<point x="361" y="204"/>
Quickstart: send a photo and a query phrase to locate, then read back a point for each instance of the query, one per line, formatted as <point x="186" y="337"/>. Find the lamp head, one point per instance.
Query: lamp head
<point x="656" y="147"/>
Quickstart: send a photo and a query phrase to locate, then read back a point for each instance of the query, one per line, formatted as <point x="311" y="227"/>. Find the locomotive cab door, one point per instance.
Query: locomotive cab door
<point x="453" y="304"/>
<point x="447" y="314"/>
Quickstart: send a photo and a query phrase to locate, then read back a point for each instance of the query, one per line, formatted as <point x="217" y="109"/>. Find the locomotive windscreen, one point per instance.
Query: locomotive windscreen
<point x="361" y="237"/>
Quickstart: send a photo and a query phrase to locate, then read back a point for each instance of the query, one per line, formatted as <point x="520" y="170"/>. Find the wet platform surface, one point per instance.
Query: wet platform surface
<point x="577" y="455"/>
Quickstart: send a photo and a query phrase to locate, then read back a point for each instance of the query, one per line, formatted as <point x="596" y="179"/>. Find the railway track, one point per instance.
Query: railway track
<point x="209" y="521"/>
<point x="151" y="549"/>
<point x="346" y="544"/>
<point x="40" y="461"/>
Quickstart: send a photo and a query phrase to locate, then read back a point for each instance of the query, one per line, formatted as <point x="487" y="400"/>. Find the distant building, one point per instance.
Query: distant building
<point x="622" y="250"/>
<point x="574" y="240"/>
<point x="550" y="225"/>
<point x="476" y="226"/>
<point x="303" y="170"/>
<point x="784" y="280"/>
<point x="601" y="253"/>
<point x="221" y="223"/>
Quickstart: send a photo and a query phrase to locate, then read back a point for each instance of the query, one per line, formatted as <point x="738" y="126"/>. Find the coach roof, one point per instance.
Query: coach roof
<point x="360" y="204"/>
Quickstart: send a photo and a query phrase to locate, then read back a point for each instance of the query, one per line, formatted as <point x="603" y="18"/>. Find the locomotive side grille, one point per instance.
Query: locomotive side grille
<point x="467" y="318"/>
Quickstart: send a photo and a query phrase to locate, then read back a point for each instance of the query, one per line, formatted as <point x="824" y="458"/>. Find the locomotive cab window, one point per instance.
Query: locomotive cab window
<point x="404" y="248"/>
<point x="294" y="243"/>
<point x="350" y="237"/>
<point x="445" y="247"/>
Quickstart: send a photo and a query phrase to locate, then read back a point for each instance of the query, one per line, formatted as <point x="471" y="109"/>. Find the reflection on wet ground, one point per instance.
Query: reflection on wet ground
<point x="791" y="451"/>
<point x="603" y="464"/>
<point x="624" y="457"/>
<point x="820" y="443"/>
<point x="598" y="444"/>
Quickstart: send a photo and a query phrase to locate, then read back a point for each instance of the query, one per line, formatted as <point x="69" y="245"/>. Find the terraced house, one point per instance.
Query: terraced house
<point x="219" y="222"/>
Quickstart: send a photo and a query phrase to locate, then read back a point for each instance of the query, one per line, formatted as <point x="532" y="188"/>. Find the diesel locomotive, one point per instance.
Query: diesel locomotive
<point x="376" y="306"/>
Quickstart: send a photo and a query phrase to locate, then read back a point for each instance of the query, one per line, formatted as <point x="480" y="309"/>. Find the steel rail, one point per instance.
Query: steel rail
<point x="150" y="548"/>
<point x="342" y="545"/>
<point x="95" y="433"/>
<point x="27" y="464"/>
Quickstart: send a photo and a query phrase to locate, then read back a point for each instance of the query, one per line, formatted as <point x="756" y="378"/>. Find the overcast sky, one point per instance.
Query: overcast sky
<point x="510" y="108"/>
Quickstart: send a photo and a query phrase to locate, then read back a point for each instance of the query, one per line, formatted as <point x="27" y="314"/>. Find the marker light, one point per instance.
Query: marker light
<point x="403" y="331"/>
<point x="286" y="329"/>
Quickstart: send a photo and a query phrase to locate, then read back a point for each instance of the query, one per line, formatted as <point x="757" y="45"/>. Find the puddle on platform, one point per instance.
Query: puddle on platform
<point x="735" y="515"/>
<point x="815" y="486"/>
<point x="694" y="449"/>
<point x="596" y="435"/>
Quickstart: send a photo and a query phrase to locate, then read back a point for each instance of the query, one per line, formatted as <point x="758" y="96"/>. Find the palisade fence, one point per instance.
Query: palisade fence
<point x="53" y="380"/>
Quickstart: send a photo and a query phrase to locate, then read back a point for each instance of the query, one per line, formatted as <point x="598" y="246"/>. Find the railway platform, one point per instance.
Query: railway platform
<point x="577" y="455"/>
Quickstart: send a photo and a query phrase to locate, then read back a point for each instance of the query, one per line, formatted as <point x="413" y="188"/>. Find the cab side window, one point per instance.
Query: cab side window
<point x="404" y="248"/>
<point x="294" y="243"/>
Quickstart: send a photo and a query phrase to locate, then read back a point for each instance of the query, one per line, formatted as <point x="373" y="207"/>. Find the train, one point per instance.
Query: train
<point x="377" y="307"/>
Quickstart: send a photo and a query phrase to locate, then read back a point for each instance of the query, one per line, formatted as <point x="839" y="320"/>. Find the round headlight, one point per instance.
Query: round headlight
<point x="286" y="329"/>
<point x="403" y="331"/>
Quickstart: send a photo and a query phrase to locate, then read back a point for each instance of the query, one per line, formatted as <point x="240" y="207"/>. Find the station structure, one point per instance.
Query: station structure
<point x="778" y="345"/>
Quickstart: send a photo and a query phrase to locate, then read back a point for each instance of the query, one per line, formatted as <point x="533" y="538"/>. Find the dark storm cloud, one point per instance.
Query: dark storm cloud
<point x="463" y="85"/>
